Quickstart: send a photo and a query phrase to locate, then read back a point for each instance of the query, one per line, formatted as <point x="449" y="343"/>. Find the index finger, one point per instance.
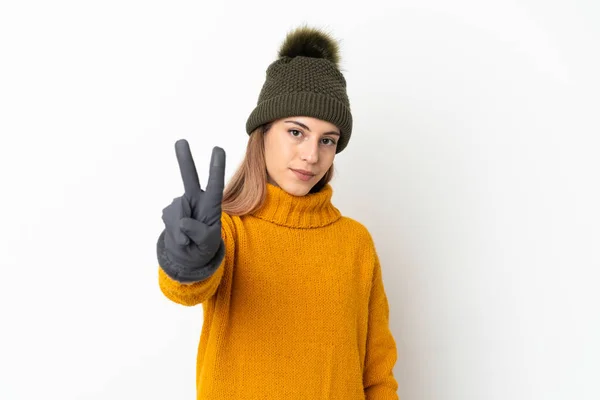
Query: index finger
<point x="191" y="183"/>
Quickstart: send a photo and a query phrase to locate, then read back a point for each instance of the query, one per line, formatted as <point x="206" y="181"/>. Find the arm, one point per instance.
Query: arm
<point x="191" y="294"/>
<point x="381" y="355"/>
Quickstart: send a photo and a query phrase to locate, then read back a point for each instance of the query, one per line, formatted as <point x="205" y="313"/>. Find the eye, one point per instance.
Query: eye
<point x="331" y="141"/>
<point x="291" y="131"/>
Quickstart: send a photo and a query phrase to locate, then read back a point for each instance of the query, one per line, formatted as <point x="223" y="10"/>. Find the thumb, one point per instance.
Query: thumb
<point x="200" y="233"/>
<point x="206" y="237"/>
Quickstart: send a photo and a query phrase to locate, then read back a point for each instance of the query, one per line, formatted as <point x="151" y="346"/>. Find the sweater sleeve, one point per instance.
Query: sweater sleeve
<point x="191" y="294"/>
<point x="381" y="354"/>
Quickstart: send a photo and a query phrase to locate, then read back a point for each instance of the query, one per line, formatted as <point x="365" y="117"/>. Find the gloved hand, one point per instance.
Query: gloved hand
<point x="190" y="248"/>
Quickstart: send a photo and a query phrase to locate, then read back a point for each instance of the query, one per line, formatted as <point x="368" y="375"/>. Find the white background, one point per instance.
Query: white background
<point x="474" y="163"/>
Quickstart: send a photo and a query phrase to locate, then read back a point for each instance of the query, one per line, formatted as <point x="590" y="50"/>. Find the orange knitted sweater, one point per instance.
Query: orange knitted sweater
<point x="296" y="310"/>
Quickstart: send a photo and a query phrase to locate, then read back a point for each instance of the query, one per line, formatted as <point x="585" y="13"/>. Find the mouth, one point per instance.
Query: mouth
<point x="307" y="173"/>
<point x="302" y="175"/>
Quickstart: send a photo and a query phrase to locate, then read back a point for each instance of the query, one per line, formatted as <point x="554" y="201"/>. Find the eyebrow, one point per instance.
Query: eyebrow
<point x="308" y="129"/>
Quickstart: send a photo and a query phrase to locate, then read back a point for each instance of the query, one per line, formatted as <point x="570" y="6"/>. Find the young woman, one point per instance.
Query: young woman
<point x="292" y="292"/>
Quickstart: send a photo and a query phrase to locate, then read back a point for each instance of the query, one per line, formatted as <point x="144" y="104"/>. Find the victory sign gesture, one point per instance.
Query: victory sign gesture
<point x="192" y="236"/>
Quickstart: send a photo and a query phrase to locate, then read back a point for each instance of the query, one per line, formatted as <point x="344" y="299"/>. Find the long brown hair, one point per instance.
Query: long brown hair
<point x="247" y="189"/>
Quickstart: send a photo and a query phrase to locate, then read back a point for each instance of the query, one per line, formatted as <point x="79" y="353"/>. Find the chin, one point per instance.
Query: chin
<point x="297" y="189"/>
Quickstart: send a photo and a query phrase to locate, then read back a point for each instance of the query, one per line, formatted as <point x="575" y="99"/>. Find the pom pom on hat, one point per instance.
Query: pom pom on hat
<point x="310" y="42"/>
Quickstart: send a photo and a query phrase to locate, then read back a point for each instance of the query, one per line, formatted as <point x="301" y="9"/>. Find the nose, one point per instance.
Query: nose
<point x="309" y="151"/>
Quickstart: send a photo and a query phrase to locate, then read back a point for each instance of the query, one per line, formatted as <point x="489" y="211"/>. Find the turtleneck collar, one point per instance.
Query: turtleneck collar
<point x="312" y="210"/>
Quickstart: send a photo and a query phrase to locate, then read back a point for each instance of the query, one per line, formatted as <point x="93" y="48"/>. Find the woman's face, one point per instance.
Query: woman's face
<point x="299" y="143"/>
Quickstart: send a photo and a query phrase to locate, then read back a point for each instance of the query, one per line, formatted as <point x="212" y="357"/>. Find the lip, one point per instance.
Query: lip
<point x="302" y="176"/>
<point x="304" y="172"/>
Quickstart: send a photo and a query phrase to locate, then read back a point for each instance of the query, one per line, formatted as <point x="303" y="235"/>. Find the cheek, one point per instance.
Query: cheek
<point x="285" y="148"/>
<point x="277" y="153"/>
<point x="327" y="157"/>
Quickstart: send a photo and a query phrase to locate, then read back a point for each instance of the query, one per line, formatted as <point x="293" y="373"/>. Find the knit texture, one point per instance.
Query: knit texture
<point x="304" y="86"/>
<point x="296" y="310"/>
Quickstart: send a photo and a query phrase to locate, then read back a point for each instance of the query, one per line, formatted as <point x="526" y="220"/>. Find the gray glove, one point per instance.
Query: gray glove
<point x="190" y="248"/>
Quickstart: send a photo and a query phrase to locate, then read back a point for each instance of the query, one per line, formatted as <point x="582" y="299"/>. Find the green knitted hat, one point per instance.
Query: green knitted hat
<point x="305" y="80"/>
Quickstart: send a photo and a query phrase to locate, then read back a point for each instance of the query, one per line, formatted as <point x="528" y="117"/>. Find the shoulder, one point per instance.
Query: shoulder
<point x="356" y="230"/>
<point x="227" y="219"/>
<point x="228" y="224"/>
<point x="359" y="243"/>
